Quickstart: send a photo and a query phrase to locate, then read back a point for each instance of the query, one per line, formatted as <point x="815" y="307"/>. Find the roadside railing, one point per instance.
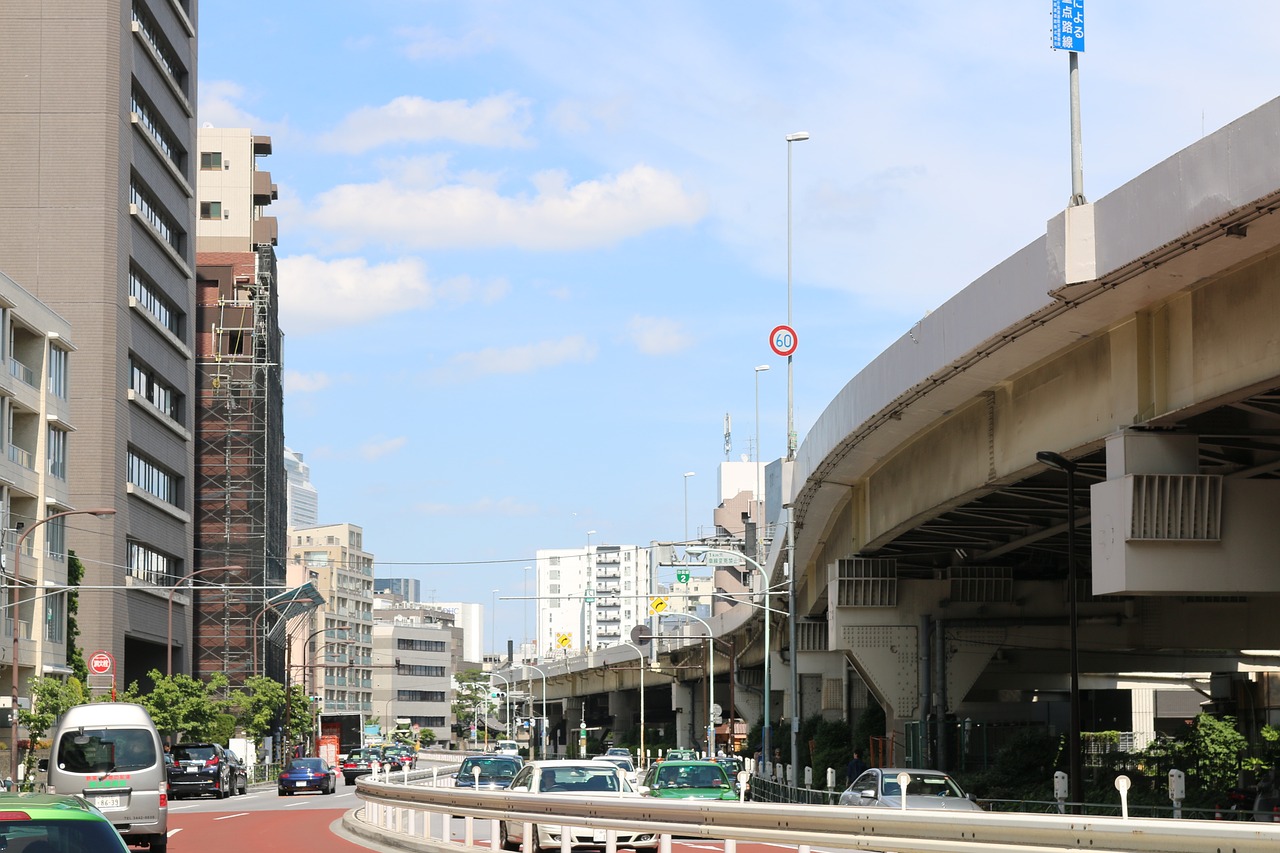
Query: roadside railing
<point x="417" y="817"/>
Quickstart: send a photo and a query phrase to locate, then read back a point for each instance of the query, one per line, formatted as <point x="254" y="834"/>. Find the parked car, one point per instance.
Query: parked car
<point x="240" y="774"/>
<point x="496" y="771"/>
<point x="56" y="822"/>
<point x="926" y="789"/>
<point x="359" y="762"/>
<point x="307" y="774"/>
<point x="595" y="779"/>
<point x="688" y="780"/>
<point x="200" y="768"/>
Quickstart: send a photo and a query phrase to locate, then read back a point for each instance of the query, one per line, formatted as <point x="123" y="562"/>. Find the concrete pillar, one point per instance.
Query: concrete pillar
<point x="682" y="702"/>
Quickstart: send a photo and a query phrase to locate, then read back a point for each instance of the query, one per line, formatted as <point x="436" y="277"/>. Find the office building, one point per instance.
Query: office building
<point x="97" y="221"/>
<point x="409" y="589"/>
<point x="303" y="499"/>
<point x="590" y="598"/>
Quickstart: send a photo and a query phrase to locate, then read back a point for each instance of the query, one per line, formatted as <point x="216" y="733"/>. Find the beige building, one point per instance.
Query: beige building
<point x="331" y="648"/>
<point x="38" y="439"/>
<point x="97" y="221"/>
<point x="416" y="652"/>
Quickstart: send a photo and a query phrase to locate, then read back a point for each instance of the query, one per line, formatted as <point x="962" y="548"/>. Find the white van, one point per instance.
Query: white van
<point x="507" y="747"/>
<point x="110" y="753"/>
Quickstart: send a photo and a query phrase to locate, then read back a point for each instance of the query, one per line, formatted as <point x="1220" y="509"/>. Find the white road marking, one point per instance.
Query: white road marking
<point x="229" y="816"/>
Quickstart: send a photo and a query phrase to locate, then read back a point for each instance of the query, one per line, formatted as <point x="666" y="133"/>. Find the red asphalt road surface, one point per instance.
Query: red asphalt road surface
<point x="258" y="832"/>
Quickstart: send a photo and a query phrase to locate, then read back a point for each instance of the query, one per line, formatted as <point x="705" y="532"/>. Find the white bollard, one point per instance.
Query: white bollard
<point x="1123" y="784"/>
<point x="904" y="780"/>
<point x="495" y="835"/>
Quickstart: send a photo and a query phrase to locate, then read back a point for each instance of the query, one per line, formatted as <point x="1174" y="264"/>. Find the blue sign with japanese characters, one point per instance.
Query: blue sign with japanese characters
<point x="1068" y="25"/>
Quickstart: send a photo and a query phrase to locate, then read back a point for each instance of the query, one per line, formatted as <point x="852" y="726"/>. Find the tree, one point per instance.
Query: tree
<point x="471" y="697"/>
<point x="301" y="723"/>
<point x="426" y="737"/>
<point x="259" y="705"/>
<point x="75" y="654"/>
<point x="51" y="697"/>
<point x="182" y="707"/>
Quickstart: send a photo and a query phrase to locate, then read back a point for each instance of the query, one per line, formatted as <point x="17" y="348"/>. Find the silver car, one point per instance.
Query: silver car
<point x="926" y="789"/>
<point x="594" y="779"/>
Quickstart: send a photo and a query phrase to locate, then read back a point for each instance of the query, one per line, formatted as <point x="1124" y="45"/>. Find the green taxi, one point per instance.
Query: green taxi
<point x="55" y="823"/>
<point x="694" y="780"/>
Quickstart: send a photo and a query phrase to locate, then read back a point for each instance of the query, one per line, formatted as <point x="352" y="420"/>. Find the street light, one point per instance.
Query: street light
<point x="542" y="726"/>
<point x="711" y="685"/>
<point x="800" y="136"/>
<point x="526" y="637"/>
<point x="644" y="662"/>
<point x="687" y="475"/>
<point x="759" y="502"/>
<point x="15" y="596"/>
<point x="172" y="590"/>
<point x="1066" y="466"/>
<point x="506" y="699"/>
<point x="493" y="623"/>
<point x="766" y="730"/>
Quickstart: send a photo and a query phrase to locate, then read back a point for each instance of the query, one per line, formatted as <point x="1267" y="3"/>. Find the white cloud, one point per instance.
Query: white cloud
<point x="496" y="122"/>
<point x="658" y="335"/>
<point x="429" y="43"/>
<point x="558" y="216"/>
<point x="218" y="107"/>
<point x="521" y="359"/>
<point x="318" y="294"/>
<point x="374" y="450"/>
<point x="296" y="382"/>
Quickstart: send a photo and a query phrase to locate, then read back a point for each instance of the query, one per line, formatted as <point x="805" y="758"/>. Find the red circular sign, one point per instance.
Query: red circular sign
<point x="101" y="663"/>
<point x="782" y="340"/>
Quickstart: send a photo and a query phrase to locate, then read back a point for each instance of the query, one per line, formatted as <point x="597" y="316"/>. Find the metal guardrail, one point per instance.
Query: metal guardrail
<point x="401" y="815"/>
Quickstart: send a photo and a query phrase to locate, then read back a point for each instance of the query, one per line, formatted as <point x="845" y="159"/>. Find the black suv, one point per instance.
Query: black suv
<point x="200" y="768"/>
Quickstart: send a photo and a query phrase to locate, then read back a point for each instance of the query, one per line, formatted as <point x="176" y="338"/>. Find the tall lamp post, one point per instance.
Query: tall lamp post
<point x="711" y="684"/>
<point x="687" y="475"/>
<point x="493" y="623"/>
<point x="799" y="136"/>
<point x="766" y="729"/>
<point x="1068" y="467"/>
<point x="15" y="595"/>
<point x="188" y="576"/>
<point x="542" y="726"/>
<point x="644" y="662"/>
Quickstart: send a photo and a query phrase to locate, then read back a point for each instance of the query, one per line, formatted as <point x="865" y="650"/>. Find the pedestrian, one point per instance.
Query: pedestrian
<point x="856" y="766"/>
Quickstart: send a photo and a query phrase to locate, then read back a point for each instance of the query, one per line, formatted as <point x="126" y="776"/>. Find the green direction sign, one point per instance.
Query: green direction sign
<point x="682" y="575"/>
<point x="590" y="596"/>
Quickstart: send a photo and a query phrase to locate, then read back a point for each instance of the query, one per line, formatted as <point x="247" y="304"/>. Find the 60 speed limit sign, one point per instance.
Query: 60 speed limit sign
<point x="782" y="340"/>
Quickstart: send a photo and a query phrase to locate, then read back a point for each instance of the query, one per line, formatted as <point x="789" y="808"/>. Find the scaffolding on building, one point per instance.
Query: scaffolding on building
<point x="240" y="490"/>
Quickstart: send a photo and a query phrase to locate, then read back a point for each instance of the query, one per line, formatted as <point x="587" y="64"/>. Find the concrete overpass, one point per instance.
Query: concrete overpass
<point x="1139" y="338"/>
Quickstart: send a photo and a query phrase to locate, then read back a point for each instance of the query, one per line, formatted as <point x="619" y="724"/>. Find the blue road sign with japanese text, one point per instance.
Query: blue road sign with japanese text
<point x="1068" y="25"/>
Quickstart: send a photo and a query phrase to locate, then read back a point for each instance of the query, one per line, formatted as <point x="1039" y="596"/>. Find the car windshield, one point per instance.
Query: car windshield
<point x="489" y="768"/>
<point x="362" y="755"/>
<point x="690" y="776"/>
<point x="580" y="779"/>
<point x="922" y="785"/>
<point x="313" y="764"/>
<point x="624" y="763"/>
<point x="106" y="750"/>
<point x="60" y="836"/>
<point x="193" y="753"/>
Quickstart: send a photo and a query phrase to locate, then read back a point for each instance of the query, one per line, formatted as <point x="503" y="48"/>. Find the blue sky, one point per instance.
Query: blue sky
<point x="531" y="252"/>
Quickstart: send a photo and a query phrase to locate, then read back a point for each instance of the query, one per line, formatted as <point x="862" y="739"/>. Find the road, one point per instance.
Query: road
<point x="264" y="822"/>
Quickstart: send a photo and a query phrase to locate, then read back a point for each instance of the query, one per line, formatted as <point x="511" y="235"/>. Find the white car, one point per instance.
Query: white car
<point x="592" y="779"/>
<point x="926" y="789"/>
<point x="622" y="762"/>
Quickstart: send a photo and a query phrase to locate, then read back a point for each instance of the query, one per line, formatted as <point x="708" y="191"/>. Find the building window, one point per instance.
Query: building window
<point x="147" y="385"/>
<point x="55" y="617"/>
<point x="319" y="559"/>
<point x="164" y="54"/>
<point x="417" y="669"/>
<point x="420" y="696"/>
<point x="55" y="537"/>
<point x="554" y="574"/>
<point x="150" y="566"/>
<point x="210" y="210"/>
<point x="57" y="453"/>
<point x="421" y="645"/>
<point x="153" y="479"/>
<point x="156" y="129"/>
<point x="155" y="304"/>
<point x="58" y="372"/>
<point x="211" y="160"/>
<point x="555" y="589"/>
<point x="151" y="211"/>
<point x="553" y="561"/>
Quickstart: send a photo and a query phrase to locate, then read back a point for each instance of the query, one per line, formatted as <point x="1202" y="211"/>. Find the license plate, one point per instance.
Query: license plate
<point x="103" y="803"/>
<point x="598" y="836"/>
<point x="301" y="784"/>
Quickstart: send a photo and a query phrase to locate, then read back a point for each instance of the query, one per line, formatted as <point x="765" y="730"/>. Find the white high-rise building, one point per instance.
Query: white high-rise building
<point x="469" y="616"/>
<point x="616" y="580"/>
<point x="304" y="500"/>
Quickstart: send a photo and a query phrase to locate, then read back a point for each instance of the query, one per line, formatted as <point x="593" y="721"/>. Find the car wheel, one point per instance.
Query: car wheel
<point x="503" y="840"/>
<point x="244" y="785"/>
<point x="280" y="793"/>
<point x="159" y="844"/>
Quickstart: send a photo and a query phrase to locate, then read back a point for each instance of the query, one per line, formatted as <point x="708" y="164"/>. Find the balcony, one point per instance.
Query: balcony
<point x="22" y="373"/>
<point x="608" y="617"/>
<point x="22" y="457"/>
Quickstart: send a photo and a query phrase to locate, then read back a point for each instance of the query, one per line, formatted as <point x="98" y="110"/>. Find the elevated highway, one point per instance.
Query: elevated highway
<point x="1139" y="338"/>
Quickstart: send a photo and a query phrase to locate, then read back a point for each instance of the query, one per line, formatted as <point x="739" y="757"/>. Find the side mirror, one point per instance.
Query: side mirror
<point x="520" y="788"/>
<point x="644" y="789"/>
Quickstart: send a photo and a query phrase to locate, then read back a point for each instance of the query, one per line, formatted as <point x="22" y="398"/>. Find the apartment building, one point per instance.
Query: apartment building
<point x="416" y="652"/>
<point x="331" y="647"/>
<point x="35" y="412"/>
<point x="241" y="494"/>
<point x="97" y="221"/>
<point x="589" y="598"/>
